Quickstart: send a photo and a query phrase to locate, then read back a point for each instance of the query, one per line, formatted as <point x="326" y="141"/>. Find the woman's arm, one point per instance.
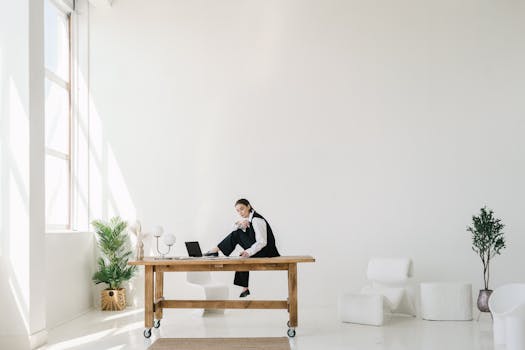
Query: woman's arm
<point x="259" y="226"/>
<point x="241" y="224"/>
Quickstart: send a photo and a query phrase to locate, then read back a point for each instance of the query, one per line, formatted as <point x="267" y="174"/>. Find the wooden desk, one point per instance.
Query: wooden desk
<point x="154" y="301"/>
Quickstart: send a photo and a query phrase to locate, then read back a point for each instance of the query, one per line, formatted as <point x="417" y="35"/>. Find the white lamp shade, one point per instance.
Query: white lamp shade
<point x="169" y="239"/>
<point x="158" y="231"/>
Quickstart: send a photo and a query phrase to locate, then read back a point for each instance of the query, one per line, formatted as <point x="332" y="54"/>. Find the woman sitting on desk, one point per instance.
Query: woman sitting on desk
<point x="253" y="233"/>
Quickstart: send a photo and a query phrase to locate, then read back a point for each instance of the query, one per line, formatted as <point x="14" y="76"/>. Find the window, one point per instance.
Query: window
<point x="57" y="61"/>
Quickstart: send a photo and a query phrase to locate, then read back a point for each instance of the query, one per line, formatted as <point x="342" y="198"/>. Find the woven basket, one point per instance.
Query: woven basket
<point x="113" y="299"/>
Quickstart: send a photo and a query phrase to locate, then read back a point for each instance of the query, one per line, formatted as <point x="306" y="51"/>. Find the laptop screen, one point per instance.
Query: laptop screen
<point x="193" y="248"/>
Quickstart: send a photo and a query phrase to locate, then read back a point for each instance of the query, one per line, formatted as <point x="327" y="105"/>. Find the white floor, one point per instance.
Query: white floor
<point x="318" y="329"/>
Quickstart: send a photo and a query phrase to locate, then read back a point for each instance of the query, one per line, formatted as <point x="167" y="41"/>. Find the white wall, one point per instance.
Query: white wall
<point x="69" y="286"/>
<point x="45" y="279"/>
<point x="14" y="129"/>
<point x="70" y="258"/>
<point x="358" y="128"/>
<point x="68" y="277"/>
<point x="22" y="263"/>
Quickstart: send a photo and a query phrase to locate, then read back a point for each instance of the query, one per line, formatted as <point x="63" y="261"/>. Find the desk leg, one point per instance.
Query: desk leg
<point x="159" y="293"/>
<point x="292" y="294"/>
<point x="148" y="297"/>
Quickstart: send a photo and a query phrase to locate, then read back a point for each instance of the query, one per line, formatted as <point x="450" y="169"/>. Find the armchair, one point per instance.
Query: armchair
<point x="387" y="292"/>
<point x="507" y="305"/>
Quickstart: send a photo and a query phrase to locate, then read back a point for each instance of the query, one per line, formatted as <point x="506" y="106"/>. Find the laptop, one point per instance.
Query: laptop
<point x="194" y="249"/>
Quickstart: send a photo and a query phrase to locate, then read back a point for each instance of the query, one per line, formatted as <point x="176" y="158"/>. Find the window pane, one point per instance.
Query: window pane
<point x="56" y="41"/>
<point x="57" y="191"/>
<point x="57" y="117"/>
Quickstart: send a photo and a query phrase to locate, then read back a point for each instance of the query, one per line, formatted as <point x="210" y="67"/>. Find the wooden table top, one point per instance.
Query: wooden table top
<point x="225" y="260"/>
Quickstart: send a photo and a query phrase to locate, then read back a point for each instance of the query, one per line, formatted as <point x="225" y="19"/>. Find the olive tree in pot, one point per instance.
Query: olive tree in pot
<point x="113" y="268"/>
<point x="487" y="242"/>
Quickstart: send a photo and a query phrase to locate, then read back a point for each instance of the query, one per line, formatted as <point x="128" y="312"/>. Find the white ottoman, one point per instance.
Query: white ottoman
<point x="361" y="308"/>
<point x="446" y="301"/>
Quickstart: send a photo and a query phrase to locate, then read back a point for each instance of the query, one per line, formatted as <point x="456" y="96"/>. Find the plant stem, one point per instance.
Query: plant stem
<point x="488" y="271"/>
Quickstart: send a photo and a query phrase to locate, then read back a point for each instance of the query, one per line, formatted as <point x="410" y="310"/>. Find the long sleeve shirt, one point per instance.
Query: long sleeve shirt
<point x="261" y="235"/>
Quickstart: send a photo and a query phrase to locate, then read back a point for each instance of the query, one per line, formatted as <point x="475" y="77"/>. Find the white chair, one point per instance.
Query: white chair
<point x="211" y="289"/>
<point x="388" y="292"/>
<point x="507" y="305"/>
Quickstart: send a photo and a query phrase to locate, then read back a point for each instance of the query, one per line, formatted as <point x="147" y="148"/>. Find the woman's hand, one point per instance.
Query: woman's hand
<point x="243" y="224"/>
<point x="245" y="254"/>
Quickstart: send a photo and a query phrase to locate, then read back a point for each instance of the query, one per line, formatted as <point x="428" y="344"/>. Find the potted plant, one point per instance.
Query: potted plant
<point x="487" y="242"/>
<point x="113" y="268"/>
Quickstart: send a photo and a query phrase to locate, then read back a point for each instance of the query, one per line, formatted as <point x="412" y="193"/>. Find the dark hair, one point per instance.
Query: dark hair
<point x="243" y="202"/>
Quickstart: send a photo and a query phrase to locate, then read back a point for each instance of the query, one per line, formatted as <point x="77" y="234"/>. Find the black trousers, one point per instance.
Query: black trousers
<point x="245" y="240"/>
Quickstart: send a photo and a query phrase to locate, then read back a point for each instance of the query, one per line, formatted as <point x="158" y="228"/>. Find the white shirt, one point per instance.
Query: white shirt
<point x="259" y="226"/>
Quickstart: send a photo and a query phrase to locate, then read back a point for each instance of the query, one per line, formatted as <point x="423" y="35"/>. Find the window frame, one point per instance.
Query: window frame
<point x="53" y="78"/>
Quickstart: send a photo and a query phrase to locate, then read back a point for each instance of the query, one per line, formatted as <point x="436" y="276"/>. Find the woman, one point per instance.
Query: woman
<point x="253" y="233"/>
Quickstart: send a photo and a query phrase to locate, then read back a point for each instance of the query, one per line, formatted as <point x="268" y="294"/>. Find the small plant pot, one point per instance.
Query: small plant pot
<point x="483" y="300"/>
<point x="113" y="299"/>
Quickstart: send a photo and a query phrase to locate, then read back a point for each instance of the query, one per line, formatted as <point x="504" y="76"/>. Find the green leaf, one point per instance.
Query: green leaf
<point x="487" y="238"/>
<point x="115" y="253"/>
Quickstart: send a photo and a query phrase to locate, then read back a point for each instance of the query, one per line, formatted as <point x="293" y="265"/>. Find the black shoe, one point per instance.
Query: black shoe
<point x="211" y="254"/>
<point x="245" y="293"/>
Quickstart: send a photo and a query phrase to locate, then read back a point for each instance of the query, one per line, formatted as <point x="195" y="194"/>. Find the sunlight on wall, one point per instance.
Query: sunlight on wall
<point x="14" y="207"/>
<point x="119" y="196"/>
<point x="21" y="304"/>
<point x="81" y="159"/>
<point x="108" y="191"/>
<point x="97" y="207"/>
<point x="109" y="194"/>
<point x="19" y="237"/>
<point x="18" y="182"/>
<point x="19" y="128"/>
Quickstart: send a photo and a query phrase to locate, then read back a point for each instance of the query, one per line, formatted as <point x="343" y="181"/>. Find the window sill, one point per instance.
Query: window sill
<point x="68" y="232"/>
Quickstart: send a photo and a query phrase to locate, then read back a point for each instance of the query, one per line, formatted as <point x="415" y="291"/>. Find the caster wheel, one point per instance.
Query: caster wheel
<point x="147" y="333"/>
<point x="156" y="324"/>
<point x="291" y="332"/>
<point x="288" y="324"/>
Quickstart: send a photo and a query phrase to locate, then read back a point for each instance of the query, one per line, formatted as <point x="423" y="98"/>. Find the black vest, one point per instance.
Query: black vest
<point x="270" y="250"/>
